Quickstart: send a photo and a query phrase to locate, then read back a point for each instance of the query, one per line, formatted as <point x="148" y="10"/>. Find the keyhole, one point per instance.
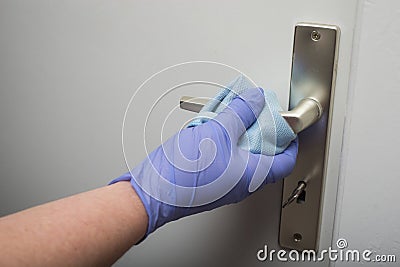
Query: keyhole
<point x="302" y="197"/>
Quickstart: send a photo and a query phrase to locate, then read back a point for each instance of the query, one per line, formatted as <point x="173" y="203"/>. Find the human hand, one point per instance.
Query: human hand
<point x="202" y="168"/>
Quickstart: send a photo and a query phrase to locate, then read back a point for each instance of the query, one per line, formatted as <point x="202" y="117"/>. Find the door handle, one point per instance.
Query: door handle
<point x="312" y="84"/>
<point x="308" y="111"/>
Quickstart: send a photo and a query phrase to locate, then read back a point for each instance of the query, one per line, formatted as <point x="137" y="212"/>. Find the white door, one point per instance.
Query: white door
<point x="69" y="68"/>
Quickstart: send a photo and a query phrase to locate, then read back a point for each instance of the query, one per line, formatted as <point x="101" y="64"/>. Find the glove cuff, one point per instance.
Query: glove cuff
<point x="144" y="197"/>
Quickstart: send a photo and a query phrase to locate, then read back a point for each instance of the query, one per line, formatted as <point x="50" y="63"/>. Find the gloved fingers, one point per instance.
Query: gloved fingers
<point x="283" y="163"/>
<point x="242" y="112"/>
<point x="263" y="169"/>
<point x="257" y="169"/>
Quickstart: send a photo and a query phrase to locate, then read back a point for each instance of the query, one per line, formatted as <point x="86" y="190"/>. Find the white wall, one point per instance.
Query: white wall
<point x="368" y="212"/>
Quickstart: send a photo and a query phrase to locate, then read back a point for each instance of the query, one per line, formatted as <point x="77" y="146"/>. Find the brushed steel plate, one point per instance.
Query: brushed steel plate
<point x="314" y="61"/>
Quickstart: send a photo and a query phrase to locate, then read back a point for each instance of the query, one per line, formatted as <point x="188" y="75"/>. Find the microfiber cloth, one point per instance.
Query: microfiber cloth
<point x="269" y="135"/>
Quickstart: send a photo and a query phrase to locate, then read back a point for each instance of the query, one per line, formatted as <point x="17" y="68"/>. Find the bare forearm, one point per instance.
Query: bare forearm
<point x="93" y="228"/>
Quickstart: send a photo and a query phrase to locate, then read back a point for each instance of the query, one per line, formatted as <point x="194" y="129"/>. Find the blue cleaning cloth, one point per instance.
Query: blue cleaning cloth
<point x="269" y="135"/>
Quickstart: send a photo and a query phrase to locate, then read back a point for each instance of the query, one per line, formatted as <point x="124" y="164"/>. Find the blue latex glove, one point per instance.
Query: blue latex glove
<point x="202" y="168"/>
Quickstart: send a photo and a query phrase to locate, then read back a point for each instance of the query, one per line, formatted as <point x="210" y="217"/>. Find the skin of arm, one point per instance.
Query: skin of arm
<point x="97" y="227"/>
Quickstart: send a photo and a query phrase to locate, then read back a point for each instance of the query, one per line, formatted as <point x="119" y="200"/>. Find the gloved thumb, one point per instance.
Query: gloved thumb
<point x="242" y="112"/>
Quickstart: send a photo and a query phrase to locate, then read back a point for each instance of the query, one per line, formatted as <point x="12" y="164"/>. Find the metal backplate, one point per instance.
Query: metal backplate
<point x="313" y="76"/>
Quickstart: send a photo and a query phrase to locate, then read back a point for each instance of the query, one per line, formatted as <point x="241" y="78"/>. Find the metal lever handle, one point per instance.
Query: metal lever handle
<point x="190" y="103"/>
<point x="308" y="111"/>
